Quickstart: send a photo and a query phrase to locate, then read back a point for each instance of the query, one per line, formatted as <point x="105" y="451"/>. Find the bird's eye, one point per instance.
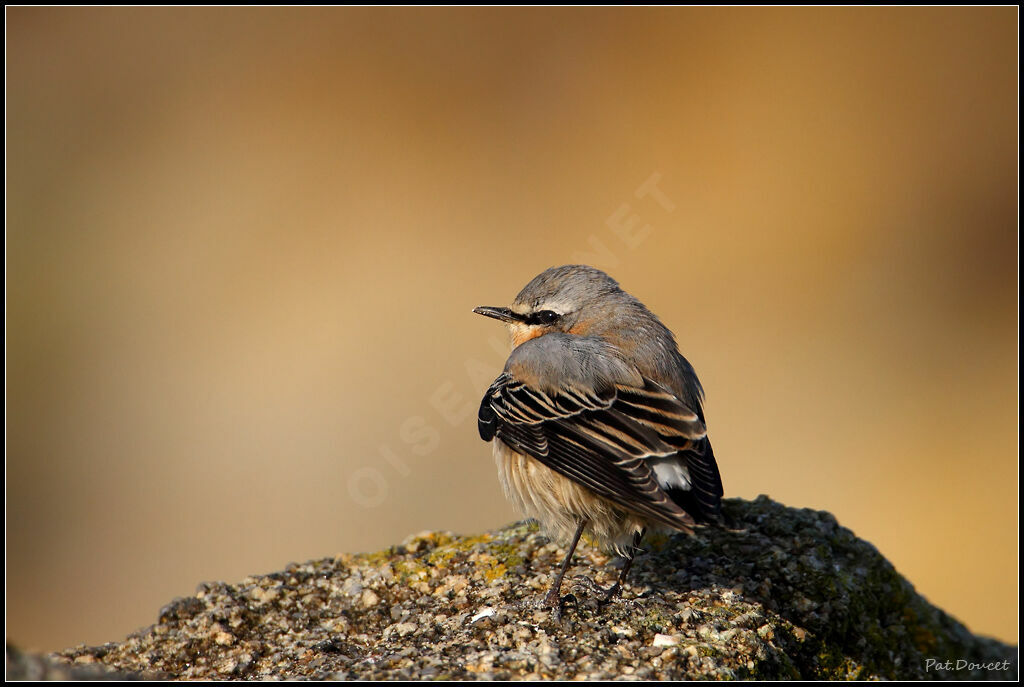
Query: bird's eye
<point x="545" y="317"/>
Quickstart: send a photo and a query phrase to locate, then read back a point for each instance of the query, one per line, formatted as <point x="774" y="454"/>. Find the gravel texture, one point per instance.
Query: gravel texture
<point x="778" y="593"/>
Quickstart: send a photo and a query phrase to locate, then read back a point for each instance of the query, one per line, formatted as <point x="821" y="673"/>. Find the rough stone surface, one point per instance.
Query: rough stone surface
<point x="779" y="593"/>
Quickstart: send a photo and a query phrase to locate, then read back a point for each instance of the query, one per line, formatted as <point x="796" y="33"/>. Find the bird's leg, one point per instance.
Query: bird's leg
<point x="633" y="551"/>
<point x="553" y="597"/>
<point x="612" y="591"/>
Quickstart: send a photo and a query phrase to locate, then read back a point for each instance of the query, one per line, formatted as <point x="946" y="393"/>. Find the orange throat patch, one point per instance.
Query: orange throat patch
<point x="521" y="333"/>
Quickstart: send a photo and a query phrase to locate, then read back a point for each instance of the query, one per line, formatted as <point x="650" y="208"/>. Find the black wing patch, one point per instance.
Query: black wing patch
<point x="599" y="438"/>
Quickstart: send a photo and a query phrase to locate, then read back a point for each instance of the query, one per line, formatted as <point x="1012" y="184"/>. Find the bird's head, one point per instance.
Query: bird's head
<point x="573" y="299"/>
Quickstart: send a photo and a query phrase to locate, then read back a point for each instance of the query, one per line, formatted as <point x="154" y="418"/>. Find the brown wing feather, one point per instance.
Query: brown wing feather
<point x="599" y="438"/>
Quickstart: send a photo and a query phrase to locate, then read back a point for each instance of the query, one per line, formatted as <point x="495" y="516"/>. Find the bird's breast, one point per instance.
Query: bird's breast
<point x="558" y="503"/>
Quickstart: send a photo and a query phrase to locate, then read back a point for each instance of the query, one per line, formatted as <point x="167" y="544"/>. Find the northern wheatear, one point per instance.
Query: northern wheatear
<point x="597" y="419"/>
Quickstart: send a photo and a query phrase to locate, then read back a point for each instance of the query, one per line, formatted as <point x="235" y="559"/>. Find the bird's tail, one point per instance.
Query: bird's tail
<point x="703" y="500"/>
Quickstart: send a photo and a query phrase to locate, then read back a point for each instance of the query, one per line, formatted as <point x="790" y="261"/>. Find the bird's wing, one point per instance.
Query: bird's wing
<point x="597" y="432"/>
<point x="705" y="480"/>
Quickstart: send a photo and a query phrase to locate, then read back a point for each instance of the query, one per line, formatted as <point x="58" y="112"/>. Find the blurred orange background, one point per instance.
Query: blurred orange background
<point x="243" y="246"/>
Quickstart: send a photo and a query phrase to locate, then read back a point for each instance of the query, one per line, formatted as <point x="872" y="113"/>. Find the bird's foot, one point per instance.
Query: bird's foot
<point x="557" y="603"/>
<point x="605" y="595"/>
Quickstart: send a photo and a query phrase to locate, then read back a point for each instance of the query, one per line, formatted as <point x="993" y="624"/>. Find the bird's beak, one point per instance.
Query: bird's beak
<point x="503" y="314"/>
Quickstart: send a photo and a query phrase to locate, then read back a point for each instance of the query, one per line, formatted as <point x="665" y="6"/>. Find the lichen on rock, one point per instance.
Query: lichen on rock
<point x="777" y="593"/>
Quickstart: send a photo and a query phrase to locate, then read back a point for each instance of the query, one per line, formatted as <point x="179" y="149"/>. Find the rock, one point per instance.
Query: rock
<point x="664" y="640"/>
<point x="25" y="667"/>
<point x="779" y="593"/>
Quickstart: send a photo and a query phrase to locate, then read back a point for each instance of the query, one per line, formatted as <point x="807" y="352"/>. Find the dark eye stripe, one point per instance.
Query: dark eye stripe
<point x="543" y="317"/>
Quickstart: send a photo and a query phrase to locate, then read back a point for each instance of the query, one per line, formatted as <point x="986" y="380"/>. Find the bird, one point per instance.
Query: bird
<point x="597" y="421"/>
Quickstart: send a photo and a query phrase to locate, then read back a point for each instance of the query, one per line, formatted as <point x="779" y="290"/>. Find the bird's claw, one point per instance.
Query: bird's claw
<point x="606" y="595"/>
<point x="558" y="603"/>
